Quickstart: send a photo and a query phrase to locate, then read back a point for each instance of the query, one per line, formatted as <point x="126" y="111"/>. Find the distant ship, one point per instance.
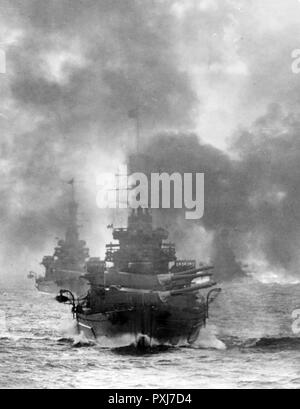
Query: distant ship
<point x="141" y="289"/>
<point x="67" y="265"/>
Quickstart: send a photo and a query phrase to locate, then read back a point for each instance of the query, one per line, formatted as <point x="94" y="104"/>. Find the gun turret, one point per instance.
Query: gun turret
<point x="185" y="277"/>
<point x="194" y="271"/>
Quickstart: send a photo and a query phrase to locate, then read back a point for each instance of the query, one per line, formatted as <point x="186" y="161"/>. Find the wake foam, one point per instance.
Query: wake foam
<point x="208" y="339"/>
<point x="67" y="328"/>
<point x="116" y="342"/>
<point x="80" y="340"/>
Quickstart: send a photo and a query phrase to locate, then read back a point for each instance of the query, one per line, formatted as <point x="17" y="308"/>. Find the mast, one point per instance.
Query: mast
<point x="141" y="248"/>
<point x="71" y="252"/>
<point x="72" y="234"/>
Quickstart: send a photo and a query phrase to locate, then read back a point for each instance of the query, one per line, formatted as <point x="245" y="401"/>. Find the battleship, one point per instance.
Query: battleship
<point x="142" y="290"/>
<point x="68" y="263"/>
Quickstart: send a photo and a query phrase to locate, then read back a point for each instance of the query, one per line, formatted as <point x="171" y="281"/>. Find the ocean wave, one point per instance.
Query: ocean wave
<point x="284" y="343"/>
<point x="263" y="343"/>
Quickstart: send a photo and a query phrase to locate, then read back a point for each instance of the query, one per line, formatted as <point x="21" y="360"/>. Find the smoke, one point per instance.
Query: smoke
<point x="74" y="70"/>
<point x="251" y="196"/>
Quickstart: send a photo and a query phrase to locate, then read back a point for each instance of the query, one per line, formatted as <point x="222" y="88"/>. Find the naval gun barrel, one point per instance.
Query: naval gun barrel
<point x="71" y="271"/>
<point x="190" y="277"/>
<point x="186" y="276"/>
<point x="193" y="289"/>
<point x="198" y="271"/>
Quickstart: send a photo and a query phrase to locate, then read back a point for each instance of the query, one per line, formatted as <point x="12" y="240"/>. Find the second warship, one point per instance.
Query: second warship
<point x="64" y="269"/>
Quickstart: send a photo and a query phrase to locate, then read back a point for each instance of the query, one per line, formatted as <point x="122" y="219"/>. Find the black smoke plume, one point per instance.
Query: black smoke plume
<point x="251" y="195"/>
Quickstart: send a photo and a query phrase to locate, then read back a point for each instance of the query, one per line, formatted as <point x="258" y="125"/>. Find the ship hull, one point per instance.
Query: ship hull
<point x="145" y="326"/>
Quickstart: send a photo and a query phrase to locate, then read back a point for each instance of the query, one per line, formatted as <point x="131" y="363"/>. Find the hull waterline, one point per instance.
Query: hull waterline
<point x="147" y="325"/>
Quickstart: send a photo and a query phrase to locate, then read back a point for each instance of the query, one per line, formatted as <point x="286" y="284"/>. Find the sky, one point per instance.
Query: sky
<point x="217" y="69"/>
